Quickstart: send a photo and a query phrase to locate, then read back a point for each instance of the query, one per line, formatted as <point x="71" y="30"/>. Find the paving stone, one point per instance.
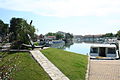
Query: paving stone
<point x="63" y="78"/>
<point x="104" y="70"/>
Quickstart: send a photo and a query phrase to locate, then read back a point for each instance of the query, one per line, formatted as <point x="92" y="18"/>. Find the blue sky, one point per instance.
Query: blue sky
<point x="80" y="17"/>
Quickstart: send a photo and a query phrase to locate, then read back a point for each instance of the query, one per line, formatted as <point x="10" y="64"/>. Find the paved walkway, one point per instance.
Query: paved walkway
<point x="52" y="71"/>
<point x="104" y="70"/>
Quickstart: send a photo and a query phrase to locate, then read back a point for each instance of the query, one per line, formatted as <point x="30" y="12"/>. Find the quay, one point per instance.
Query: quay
<point x="104" y="70"/>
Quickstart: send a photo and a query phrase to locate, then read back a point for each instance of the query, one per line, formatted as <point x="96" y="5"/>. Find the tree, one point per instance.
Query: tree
<point x="59" y="36"/>
<point x="51" y="34"/>
<point x="109" y="35"/>
<point x="118" y="34"/>
<point x="68" y="36"/>
<point x="20" y="28"/>
<point x="3" y="29"/>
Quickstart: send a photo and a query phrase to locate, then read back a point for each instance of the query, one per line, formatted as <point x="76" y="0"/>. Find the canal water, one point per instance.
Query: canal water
<point x="80" y="48"/>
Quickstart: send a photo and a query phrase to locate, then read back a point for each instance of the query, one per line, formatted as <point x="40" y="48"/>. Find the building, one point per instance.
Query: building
<point x="88" y="38"/>
<point x="50" y="37"/>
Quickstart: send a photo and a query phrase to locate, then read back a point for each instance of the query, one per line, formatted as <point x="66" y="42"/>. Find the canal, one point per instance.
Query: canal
<point x="80" y="48"/>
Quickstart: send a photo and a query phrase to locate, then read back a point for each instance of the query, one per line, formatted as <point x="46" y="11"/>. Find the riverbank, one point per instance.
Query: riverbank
<point x="73" y="65"/>
<point x="20" y="66"/>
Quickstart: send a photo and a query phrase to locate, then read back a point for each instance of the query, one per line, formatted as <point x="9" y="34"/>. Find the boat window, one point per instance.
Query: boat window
<point x="111" y="51"/>
<point x="94" y="50"/>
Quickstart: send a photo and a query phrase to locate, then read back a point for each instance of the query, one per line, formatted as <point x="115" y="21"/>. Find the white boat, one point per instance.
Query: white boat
<point x="103" y="51"/>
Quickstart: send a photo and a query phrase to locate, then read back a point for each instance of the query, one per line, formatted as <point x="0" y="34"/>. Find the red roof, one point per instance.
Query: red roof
<point x="51" y="36"/>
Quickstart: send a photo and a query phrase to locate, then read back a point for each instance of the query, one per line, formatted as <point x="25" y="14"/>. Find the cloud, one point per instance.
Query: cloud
<point x="63" y="8"/>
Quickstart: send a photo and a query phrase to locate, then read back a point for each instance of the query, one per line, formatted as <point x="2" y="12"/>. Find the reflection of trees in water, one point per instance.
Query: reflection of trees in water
<point x="62" y="45"/>
<point x="75" y="41"/>
<point x="68" y="44"/>
<point x="58" y="45"/>
<point x="87" y="42"/>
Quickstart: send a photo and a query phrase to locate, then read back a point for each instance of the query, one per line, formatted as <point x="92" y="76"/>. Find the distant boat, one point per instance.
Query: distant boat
<point x="49" y="43"/>
<point x="104" y="51"/>
<point x="57" y="41"/>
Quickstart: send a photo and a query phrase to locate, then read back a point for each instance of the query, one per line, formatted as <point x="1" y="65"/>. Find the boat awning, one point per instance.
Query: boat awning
<point x="104" y="45"/>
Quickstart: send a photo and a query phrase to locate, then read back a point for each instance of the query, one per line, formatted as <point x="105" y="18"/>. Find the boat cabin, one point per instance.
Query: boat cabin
<point x="103" y="50"/>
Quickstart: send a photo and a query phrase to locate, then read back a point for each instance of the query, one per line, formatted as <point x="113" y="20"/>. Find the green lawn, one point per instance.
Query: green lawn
<point x="20" y="66"/>
<point x="71" y="64"/>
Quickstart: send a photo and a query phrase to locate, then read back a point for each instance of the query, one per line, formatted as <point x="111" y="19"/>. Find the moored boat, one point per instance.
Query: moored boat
<point x="106" y="51"/>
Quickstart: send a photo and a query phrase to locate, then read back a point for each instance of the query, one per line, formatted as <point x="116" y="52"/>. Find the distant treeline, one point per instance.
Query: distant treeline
<point x="112" y="35"/>
<point x="60" y="35"/>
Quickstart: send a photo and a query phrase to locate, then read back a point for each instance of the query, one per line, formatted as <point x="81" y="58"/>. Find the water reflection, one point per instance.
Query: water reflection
<point x="60" y="45"/>
<point x="77" y="47"/>
<point x="81" y="48"/>
<point x="68" y="44"/>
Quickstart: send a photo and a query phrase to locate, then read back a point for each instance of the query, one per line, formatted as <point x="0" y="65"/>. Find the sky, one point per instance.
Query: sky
<point x="79" y="17"/>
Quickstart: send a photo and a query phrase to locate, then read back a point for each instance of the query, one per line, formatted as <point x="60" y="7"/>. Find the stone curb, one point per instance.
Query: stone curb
<point x="88" y="66"/>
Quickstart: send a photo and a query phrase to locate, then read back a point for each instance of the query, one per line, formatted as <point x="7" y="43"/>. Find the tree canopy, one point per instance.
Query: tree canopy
<point x="109" y="35"/>
<point x="51" y="34"/>
<point x="60" y="36"/>
<point x="57" y="35"/>
<point x="118" y="34"/>
<point x="20" y="28"/>
<point x="3" y="28"/>
<point x="68" y="36"/>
